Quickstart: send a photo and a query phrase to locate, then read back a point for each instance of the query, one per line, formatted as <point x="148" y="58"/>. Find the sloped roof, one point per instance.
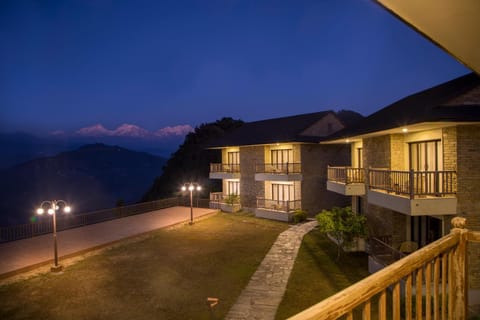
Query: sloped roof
<point x="457" y="100"/>
<point x="285" y="129"/>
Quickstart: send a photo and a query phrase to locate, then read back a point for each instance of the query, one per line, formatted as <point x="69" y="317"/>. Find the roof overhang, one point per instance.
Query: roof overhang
<point x="259" y="144"/>
<point x="451" y="24"/>
<point x="423" y="126"/>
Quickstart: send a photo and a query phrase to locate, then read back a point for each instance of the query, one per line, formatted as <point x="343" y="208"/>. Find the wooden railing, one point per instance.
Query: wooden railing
<point x="224" y="168"/>
<point x="346" y="174"/>
<point x="278" y="205"/>
<point x="427" y="284"/>
<point x="413" y="183"/>
<point x="278" y="168"/>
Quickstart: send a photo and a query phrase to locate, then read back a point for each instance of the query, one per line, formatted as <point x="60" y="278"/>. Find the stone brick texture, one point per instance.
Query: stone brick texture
<point x="468" y="191"/>
<point x="315" y="159"/>
<point x="461" y="152"/>
<point x="249" y="188"/>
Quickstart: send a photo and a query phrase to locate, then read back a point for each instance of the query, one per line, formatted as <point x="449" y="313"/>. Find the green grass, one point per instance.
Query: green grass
<point x="168" y="275"/>
<point x="317" y="274"/>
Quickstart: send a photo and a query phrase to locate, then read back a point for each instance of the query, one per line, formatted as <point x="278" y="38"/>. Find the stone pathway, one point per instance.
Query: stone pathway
<point x="264" y="292"/>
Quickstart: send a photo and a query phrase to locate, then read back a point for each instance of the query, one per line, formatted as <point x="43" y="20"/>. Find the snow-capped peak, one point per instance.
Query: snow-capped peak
<point x="96" y="130"/>
<point x="130" y="130"/>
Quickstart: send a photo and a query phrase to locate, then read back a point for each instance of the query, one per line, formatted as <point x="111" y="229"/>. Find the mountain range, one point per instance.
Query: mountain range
<point x="91" y="177"/>
<point x="131" y="130"/>
<point x="21" y="147"/>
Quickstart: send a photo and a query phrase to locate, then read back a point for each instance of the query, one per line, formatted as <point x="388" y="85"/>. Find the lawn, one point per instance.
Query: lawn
<point x="317" y="274"/>
<point x="166" y="275"/>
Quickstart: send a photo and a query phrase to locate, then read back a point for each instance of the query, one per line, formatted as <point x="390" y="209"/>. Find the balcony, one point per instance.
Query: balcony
<point x="430" y="283"/>
<point x="347" y="181"/>
<point x="222" y="202"/>
<point x="224" y="171"/>
<point x="278" y="172"/>
<point x="414" y="193"/>
<point x="276" y="209"/>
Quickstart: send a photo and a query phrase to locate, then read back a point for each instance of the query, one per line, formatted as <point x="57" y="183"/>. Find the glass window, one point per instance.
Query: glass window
<point x="233" y="187"/>
<point x="233" y="157"/>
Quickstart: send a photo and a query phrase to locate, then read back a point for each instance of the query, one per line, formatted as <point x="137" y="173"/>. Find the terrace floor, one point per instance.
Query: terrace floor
<point x="22" y="255"/>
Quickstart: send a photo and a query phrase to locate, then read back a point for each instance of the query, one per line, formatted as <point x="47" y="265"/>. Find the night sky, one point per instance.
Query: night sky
<point x="65" y="65"/>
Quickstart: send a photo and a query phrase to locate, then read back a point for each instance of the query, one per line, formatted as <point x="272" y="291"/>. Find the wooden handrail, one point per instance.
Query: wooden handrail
<point x="449" y="252"/>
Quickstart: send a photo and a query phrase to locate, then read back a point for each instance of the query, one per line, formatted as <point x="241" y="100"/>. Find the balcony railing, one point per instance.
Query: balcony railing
<point x="222" y="198"/>
<point x="346" y="175"/>
<point x="278" y="205"/>
<point x="216" y="196"/>
<point x="414" y="183"/>
<point x="383" y="252"/>
<point x="278" y="168"/>
<point x="224" y="168"/>
<point x="427" y="284"/>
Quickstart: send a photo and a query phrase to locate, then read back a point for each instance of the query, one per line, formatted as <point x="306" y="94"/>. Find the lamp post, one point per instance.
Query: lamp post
<point x="191" y="186"/>
<point x="53" y="206"/>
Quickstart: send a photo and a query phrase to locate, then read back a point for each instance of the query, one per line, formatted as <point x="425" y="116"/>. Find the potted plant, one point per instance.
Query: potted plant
<point x="231" y="203"/>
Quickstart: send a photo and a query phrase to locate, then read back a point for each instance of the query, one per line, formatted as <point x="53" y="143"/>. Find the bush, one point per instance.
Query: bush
<point x="299" y="216"/>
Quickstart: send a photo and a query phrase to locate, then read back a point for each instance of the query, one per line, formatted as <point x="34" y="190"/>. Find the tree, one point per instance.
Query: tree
<point x="191" y="161"/>
<point x="343" y="225"/>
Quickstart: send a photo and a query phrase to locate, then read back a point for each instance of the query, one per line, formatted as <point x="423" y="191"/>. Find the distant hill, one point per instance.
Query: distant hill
<point x="20" y="147"/>
<point x="92" y="177"/>
<point x="191" y="162"/>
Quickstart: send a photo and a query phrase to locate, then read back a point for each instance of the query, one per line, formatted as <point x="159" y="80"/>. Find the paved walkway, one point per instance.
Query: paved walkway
<point x="25" y="254"/>
<point x="264" y="292"/>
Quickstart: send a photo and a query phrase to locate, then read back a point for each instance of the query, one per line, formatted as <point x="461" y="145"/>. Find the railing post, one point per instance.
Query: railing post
<point x="367" y="178"/>
<point x="459" y="287"/>
<point x="411" y="183"/>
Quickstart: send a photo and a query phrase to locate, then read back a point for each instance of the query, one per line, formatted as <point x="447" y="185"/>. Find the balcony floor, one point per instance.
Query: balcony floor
<point x="418" y="206"/>
<point x="351" y="189"/>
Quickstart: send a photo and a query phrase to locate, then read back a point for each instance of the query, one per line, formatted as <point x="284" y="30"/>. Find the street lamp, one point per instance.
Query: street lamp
<point x="191" y="186"/>
<point x="53" y="206"/>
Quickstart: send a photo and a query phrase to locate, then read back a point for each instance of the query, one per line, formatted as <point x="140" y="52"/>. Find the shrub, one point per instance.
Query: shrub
<point x="299" y="216"/>
<point x="232" y="199"/>
<point x="343" y="225"/>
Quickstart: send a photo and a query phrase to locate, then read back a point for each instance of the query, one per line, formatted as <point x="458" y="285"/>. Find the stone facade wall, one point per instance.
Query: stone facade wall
<point x="384" y="152"/>
<point x="249" y="188"/>
<point x="315" y="159"/>
<point x="384" y="222"/>
<point x="376" y="152"/>
<point x="397" y="152"/>
<point x="449" y="147"/>
<point x="468" y="191"/>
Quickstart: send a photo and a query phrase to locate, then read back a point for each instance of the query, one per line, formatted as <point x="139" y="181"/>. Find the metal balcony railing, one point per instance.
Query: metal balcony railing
<point x="279" y="205"/>
<point x="224" y="168"/>
<point x="278" y="168"/>
<point x="346" y="175"/>
<point x="413" y="183"/>
<point x="17" y="232"/>
<point x="223" y="198"/>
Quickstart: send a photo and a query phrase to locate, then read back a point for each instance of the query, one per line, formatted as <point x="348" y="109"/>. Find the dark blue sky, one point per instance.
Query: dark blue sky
<point x="71" y="64"/>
